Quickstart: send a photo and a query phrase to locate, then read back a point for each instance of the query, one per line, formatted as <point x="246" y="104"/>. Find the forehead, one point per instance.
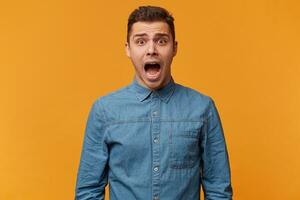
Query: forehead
<point x="150" y="28"/>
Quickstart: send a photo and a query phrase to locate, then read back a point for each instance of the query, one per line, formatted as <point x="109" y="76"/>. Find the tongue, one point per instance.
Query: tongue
<point x="152" y="70"/>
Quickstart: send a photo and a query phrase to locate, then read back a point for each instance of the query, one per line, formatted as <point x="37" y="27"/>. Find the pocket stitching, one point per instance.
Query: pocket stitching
<point x="182" y="164"/>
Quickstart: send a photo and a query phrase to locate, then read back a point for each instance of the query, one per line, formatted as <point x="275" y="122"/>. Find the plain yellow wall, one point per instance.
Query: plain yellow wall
<point x="57" y="57"/>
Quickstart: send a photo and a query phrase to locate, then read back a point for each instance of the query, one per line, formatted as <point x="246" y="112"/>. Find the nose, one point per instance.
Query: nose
<point x="151" y="51"/>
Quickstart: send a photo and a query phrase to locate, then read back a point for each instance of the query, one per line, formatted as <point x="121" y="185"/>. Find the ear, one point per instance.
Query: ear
<point x="175" y="48"/>
<point x="127" y="49"/>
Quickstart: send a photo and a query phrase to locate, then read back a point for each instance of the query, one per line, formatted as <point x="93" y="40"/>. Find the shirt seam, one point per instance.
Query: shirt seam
<point x="101" y="110"/>
<point x="149" y="120"/>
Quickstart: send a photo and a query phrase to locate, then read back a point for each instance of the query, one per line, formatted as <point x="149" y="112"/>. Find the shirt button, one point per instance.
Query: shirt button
<point x="155" y="198"/>
<point x="155" y="169"/>
<point x="156" y="140"/>
<point x="155" y="113"/>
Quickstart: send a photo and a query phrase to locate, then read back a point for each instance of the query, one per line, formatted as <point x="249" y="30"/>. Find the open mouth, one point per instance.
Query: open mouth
<point x="152" y="70"/>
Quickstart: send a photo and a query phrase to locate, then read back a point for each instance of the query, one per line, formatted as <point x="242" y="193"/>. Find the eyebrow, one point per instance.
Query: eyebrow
<point x="162" y="34"/>
<point x="157" y="34"/>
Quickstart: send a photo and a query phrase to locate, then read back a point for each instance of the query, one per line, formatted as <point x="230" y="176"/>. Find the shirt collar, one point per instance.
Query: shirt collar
<point x="143" y="93"/>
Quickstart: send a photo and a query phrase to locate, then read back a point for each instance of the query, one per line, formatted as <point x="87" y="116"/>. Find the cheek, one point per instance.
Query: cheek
<point x="168" y="57"/>
<point x="167" y="53"/>
<point x="137" y="60"/>
<point x="137" y="56"/>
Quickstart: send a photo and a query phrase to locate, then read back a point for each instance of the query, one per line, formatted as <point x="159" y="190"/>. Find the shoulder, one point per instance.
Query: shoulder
<point x="114" y="95"/>
<point x="193" y="94"/>
<point x="192" y="100"/>
<point x="115" y="100"/>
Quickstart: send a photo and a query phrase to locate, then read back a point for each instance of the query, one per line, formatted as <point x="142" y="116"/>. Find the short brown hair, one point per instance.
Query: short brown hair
<point x="150" y="14"/>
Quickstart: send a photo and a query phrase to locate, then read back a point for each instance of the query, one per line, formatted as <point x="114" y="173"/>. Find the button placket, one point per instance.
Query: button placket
<point x="155" y="131"/>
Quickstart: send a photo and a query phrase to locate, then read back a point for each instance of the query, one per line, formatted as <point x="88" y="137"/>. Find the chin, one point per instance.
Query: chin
<point x="154" y="85"/>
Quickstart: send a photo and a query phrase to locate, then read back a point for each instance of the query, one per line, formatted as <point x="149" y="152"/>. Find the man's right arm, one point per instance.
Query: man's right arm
<point x="93" y="170"/>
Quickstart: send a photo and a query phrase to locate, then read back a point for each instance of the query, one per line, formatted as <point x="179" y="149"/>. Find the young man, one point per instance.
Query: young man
<point x="154" y="139"/>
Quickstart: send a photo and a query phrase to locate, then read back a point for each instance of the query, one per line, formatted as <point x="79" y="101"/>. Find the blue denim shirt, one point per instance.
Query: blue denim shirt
<point x="150" y="145"/>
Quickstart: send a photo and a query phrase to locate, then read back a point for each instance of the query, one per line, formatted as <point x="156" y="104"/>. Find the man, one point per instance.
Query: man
<point x="154" y="139"/>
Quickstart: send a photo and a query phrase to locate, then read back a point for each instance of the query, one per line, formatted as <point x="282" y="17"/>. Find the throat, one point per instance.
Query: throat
<point x="152" y="68"/>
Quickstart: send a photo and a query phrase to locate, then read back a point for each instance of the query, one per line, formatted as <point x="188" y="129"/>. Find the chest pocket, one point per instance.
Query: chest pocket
<point x="184" y="144"/>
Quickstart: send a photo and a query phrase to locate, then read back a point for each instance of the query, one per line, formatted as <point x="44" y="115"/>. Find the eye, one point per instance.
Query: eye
<point x="140" y="42"/>
<point x="162" y="41"/>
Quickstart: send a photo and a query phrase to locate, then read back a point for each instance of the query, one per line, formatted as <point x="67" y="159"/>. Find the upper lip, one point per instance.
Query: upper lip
<point x="152" y="62"/>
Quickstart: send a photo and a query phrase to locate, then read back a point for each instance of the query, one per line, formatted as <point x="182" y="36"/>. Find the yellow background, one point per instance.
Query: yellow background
<point x="58" y="56"/>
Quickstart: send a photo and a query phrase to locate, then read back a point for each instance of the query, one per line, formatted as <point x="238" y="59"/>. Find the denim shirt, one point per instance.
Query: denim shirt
<point x="151" y="145"/>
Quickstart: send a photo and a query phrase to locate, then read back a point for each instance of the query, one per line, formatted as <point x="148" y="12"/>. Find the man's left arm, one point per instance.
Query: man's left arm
<point x="216" y="177"/>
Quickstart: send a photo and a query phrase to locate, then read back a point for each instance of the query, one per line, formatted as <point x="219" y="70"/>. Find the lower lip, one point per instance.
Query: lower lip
<point x="153" y="76"/>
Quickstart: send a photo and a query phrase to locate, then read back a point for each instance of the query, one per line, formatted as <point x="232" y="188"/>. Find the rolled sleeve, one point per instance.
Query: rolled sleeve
<point x="216" y="177"/>
<point x="93" y="168"/>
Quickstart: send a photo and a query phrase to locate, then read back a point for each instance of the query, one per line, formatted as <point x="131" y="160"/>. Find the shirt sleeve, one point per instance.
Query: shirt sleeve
<point x="215" y="173"/>
<point x="93" y="168"/>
